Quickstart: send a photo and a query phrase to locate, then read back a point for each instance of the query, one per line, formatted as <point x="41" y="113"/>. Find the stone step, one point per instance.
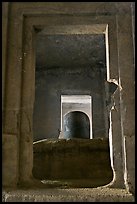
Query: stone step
<point x="100" y="194"/>
<point x="73" y="159"/>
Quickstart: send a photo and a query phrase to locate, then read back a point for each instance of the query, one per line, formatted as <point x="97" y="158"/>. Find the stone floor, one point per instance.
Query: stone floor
<point x="99" y="194"/>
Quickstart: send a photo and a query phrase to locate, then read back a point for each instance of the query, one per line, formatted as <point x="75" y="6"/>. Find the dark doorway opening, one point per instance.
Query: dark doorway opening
<point x="76" y="125"/>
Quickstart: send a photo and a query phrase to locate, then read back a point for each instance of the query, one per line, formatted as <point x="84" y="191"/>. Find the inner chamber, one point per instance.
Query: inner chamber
<point x="70" y="65"/>
<point x="76" y="125"/>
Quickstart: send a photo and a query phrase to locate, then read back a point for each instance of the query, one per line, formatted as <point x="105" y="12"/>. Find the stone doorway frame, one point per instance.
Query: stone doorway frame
<point x="25" y="21"/>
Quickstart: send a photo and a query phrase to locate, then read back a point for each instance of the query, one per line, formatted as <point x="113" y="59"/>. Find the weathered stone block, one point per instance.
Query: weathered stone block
<point x="9" y="160"/>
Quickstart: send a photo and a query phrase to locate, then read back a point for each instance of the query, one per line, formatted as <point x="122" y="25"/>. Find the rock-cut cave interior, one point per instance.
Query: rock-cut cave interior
<point x="71" y="118"/>
<point x="68" y="82"/>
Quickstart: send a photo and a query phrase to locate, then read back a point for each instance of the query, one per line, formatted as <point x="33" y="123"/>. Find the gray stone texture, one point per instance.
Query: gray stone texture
<point x="21" y="22"/>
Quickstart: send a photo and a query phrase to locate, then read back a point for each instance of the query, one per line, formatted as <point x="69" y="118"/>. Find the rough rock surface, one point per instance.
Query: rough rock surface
<point x="100" y="194"/>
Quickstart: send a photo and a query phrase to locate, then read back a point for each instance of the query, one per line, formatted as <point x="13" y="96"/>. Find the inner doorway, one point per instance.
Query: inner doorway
<point x="76" y="125"/>
<point x="70" y="103"/>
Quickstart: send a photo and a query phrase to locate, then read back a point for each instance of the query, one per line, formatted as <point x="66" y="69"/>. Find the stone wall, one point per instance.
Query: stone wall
<point x="71" y="65"/>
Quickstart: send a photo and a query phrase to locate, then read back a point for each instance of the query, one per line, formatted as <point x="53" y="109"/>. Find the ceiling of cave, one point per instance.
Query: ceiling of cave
<point x="76" y="50"/>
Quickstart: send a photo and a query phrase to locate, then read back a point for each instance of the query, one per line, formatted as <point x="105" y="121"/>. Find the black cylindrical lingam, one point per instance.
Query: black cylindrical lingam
<point x="76" y="125"/>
